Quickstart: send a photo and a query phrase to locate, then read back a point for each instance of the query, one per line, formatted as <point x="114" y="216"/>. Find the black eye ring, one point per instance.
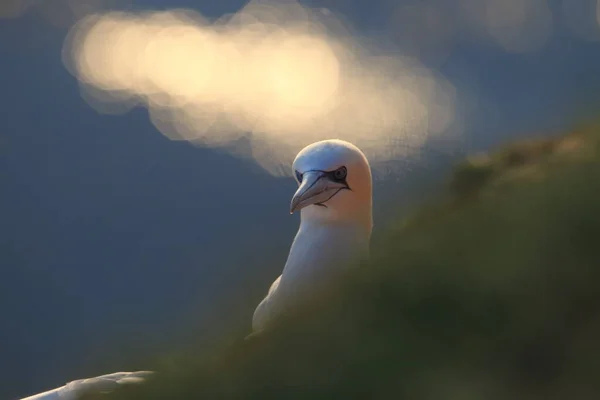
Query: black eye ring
<point x="340" y="173"/>
<point x="298" y="176"/>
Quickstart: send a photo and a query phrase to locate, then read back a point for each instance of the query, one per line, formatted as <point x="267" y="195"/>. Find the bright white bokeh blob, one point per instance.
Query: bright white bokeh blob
<point x="261" y="83"/>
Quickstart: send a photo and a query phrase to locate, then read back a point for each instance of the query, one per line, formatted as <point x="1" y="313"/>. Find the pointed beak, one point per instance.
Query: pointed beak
<point x="316" y="188"/>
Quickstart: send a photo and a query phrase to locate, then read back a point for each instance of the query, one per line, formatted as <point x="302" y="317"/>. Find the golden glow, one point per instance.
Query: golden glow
<point x="287" y="74"/>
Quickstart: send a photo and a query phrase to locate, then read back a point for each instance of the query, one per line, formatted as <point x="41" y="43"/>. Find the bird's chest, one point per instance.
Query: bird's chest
<point x="319" y="256"/>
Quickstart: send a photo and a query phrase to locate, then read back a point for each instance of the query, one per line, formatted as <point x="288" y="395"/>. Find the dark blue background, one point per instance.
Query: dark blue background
<point x="114" y="239"/>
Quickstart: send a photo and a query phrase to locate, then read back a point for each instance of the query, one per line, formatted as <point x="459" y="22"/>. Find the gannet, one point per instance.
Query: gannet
<point x="334" y="198"/>
<point x="100" y="384"/>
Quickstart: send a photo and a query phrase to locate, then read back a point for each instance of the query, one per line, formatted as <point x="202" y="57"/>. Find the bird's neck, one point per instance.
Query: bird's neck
<point x="357" y="217"/>
<point x="321" y="254"/>
<point x="360" y="225"/>
<point x="321" y="248"/>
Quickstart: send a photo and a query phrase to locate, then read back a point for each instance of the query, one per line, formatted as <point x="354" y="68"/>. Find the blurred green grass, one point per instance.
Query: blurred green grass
<point x="491" y="292"/>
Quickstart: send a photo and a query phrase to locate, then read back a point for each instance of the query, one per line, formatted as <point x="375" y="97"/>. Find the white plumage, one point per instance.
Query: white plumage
<point x="100" y="384"/>
<point x="335" y="202"/>
<point x="334" y="199"/>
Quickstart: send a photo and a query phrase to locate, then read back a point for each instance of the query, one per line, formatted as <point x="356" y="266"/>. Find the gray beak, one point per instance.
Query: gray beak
<point x="316" y="188"/>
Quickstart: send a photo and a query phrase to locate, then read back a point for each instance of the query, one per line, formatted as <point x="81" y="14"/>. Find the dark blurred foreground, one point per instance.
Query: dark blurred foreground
<point x="491" y="293"/>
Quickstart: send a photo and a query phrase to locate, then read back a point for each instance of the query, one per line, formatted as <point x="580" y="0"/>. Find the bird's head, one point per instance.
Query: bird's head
<point x="334" y="181"/>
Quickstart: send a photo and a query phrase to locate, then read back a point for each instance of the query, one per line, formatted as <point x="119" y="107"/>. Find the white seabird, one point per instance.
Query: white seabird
<point x="100" y="384"/>
<point x="335" y="202"/>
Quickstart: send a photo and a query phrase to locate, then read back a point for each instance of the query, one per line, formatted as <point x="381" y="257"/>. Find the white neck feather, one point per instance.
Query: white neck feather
<point x="321" y="252"/>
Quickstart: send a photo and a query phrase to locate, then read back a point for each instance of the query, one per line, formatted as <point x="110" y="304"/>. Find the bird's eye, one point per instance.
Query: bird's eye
<point x="340" y="173"/>
<point x="299" y="176"/>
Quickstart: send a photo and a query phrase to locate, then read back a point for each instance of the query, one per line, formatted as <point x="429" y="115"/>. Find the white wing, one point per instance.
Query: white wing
<point x="99" y="384"/>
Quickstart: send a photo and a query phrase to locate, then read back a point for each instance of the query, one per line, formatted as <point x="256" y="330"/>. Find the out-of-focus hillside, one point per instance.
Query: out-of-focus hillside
<point x="490" y="293"/>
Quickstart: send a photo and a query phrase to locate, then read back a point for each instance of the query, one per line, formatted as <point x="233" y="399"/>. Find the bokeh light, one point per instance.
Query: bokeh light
<point x="278" y="74"/>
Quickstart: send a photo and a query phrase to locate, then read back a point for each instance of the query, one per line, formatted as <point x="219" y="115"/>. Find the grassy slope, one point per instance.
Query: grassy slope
<point x="492" y="292"/>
